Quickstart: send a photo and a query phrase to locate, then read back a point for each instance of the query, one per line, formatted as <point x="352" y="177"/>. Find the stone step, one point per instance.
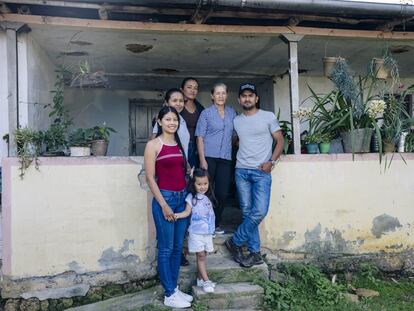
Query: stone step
<point x="241" y="295"/>
<point x="151" y="297"/>
<point x="221" y="269"/>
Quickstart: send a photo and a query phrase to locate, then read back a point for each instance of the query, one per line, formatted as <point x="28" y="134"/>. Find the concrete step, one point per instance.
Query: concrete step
<point x="241" y="295"/>
<point x="221" y="269"/>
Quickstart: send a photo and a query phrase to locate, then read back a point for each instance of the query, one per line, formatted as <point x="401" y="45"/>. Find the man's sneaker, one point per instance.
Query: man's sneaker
<point x="200" y="283"/>
<point x="184" y="261"/>
<point x="176" y="301"/>
<point x="186" y="297"/>
<point x="219" y="230"/>
<point x="235" y="251"/>
<point x="251" y="260"/>
<point x="208" y="286"/>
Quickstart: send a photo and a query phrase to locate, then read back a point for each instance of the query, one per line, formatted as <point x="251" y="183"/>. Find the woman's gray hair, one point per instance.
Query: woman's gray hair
<point x="216" y="85"/>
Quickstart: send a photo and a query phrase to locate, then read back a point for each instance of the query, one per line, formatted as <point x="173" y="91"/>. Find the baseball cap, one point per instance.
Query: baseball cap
<point x="248" y="86"/>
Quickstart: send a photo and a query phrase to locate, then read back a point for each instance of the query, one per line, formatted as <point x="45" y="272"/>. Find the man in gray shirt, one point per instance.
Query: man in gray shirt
<point x="256" y="130"/>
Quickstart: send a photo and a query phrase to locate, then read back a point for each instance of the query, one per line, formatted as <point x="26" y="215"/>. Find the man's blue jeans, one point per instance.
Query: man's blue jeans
<point x="253" y="188"/>
<point x="170" y="236"/>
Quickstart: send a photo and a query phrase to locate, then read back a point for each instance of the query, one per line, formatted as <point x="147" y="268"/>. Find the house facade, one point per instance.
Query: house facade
<point x="85" y="222"/>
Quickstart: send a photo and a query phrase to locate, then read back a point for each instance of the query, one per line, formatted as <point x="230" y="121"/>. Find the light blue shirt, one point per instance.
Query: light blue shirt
<point x="182" y="132"/>
<point x="202" y="214"/>
<point x="216" y="131"/>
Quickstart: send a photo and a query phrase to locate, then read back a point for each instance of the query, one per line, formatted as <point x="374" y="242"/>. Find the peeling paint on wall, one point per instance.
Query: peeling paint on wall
<point x="111" y="259"/>
<point x="383" y="224"/>
<point x="287" y="237"/>
<point x="74" y="266"/>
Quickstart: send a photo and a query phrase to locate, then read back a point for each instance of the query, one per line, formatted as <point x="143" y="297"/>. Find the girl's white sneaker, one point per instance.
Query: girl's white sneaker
<point x="185" y="296"/>
<point x="200" y="283"/>
<point x="208" y="286"/>
<point x="176" y="301"/>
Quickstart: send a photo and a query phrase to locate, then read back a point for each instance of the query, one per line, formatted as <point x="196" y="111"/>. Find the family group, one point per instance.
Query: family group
<point x="188" y="167"/>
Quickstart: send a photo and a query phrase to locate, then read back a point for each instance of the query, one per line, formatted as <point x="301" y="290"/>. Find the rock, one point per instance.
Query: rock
<point x="131" y="287"/>
<point x="351" y="297"/>
<point x="66" y="303"/>
<point x="234" y="295"/>
<point x="12" y="305"/>
<point x="57" y="293"/>
<point x="31" y="304"/>
<point x="363" y="292"/>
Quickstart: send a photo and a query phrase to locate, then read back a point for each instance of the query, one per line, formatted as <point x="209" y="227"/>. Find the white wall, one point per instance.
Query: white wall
<point x="4" y="111"/>
<point x="36" y="81"/>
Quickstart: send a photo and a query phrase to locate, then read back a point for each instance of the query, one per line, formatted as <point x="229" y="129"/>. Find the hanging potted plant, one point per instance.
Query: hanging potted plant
<point x="100" y="139"/>
<point x="329" y="64"/>
<point x="79" y="143"/>
<point x="382" y="68"/>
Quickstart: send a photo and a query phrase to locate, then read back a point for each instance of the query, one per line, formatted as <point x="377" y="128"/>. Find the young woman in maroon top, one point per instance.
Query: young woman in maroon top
<point x="165" y="166"/>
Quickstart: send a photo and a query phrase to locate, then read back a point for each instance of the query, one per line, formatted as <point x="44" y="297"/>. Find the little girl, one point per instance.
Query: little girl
<point x="200" y="200"/>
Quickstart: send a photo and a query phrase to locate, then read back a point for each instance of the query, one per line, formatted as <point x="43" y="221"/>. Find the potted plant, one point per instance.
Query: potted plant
<point x="329" y="64"/>
<point x="311" y="143"/>
<point x="382" y="68"/>
<point x="29" y="144"/>
<point x="100" y="139"/>
<point x="55" y="140"/>
<point x="395" y="120"/>
<point x="79" y="143"/>
<point x="324" y="142"/>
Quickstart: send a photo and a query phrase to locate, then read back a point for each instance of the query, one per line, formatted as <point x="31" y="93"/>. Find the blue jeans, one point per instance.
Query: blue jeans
<point x="170" y="236"/>
<point x="253" y="189"/>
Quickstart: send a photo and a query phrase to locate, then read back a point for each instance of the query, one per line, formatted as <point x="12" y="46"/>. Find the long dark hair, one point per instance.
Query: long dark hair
<point x="199" y="172"/>
<point x="161" y="114"/>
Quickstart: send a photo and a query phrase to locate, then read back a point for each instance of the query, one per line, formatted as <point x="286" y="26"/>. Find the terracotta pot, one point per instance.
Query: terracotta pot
<point x="99" y="147"/>
<point x="380" y="69"/>
<point x="329" y="64"/>
<point x="388" y="147"/>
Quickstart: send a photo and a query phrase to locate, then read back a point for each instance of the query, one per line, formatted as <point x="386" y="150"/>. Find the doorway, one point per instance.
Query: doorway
<point x="141" y="114"/>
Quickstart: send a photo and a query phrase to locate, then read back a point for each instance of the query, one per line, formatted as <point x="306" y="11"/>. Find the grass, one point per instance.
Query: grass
<point x="307" y="288"/>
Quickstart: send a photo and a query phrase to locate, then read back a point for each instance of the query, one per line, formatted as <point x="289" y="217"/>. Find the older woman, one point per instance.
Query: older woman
<point x="214" y="143"/>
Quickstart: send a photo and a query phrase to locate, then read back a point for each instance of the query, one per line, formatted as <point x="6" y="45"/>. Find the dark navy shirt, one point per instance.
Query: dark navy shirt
<point x="216" y="131"/>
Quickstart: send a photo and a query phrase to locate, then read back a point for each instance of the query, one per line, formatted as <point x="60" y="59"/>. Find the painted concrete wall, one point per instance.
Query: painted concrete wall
<point x="329" y="203"/>
<point x="81" y="215"/>
<point x="90" y="215"/>
<point x="4" y="111"/>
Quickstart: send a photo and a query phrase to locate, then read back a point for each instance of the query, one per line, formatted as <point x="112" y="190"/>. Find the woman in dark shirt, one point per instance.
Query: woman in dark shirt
<point x="190" y="114"/>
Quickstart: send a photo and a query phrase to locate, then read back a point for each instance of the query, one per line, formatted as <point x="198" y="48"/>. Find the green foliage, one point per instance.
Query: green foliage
<point x="101" y="132"/>
<point x="29" y="144"/>
<point x="303" y="282"/>
<point x="198" y="306"/>
<point x="80" y="138"/>
<point x="55" y="137"/>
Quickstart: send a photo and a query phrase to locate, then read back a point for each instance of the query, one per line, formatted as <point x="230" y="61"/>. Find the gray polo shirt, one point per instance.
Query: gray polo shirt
<point x="255" y="138"/>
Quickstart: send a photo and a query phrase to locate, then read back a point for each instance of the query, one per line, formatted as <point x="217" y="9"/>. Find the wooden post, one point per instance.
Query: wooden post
<point x="292" y="41"/>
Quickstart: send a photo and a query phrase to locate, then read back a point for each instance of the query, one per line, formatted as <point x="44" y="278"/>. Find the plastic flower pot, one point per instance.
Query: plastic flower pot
<point x="312" y="148"/>
<point x="324" y="147"/>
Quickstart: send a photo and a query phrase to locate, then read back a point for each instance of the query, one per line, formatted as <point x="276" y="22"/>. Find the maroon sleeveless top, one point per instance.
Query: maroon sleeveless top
<point x="169" y="168"/>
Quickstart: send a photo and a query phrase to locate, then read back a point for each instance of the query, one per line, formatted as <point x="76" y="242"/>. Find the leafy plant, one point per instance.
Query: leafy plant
<point x="409" y="142"/>
<point x="102" y="132"/>
<point x="29" y="144"/>
<point x="80" y="138"/>
<point x="55" y="137"/>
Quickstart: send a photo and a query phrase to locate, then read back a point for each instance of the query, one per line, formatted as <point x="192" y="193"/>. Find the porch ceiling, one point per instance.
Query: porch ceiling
<point x="146" y="60"/>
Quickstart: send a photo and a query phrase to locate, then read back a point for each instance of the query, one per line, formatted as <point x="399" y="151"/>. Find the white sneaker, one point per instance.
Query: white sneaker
<point x="208" y="287"/>
<point x="200" y="283"/>
<point x="218" y="230"/>
<point x="185" y="296"/>
<point x="176" y="301"/>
